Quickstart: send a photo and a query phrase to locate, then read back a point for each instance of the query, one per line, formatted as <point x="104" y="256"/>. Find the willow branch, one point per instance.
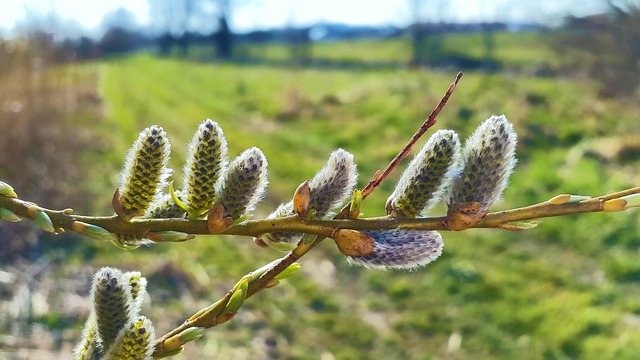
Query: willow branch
<point x="255" y="228"/>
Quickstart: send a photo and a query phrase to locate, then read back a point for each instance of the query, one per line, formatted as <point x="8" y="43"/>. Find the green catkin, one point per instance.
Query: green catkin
<point x="137" y="287"/>
<point x="134" y="342"/>
<point x="244" y="184"/>
<point x="206" y="161"/>
<point x="488" y="159"/>
<point x="165" y="207"/>
<point x="145" y="170"/>
<point x="113" y="306"/>
<point x="89" y="342"/>
<point x="422" y="184"/>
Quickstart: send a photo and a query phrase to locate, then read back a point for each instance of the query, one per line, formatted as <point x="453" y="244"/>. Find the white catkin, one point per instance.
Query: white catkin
<point x="401" y="249"/>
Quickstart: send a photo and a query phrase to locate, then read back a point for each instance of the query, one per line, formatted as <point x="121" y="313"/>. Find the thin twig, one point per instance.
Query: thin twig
<point x="304" y="247"/>
<point x="318" y="227"/>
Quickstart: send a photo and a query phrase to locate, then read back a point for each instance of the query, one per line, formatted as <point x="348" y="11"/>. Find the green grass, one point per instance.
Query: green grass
<point x="568" y="289"/>
<point x="523" y="51"/>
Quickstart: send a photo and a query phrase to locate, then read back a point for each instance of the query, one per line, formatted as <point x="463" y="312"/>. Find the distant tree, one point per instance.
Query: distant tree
<point x="426" y="45"/>
<point x="118" y="40"/>
<point x="173" y="20"/>
<point x="606" y="45"/>
<point x="223" y="37"/>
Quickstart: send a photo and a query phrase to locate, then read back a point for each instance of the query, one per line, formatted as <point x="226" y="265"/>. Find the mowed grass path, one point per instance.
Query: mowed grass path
<point x="567" y="289"/>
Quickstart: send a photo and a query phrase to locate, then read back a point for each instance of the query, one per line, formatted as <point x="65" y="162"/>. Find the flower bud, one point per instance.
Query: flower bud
<point x="8" y="215"/>
<point x="632" y="200"/>
<point x="41" y="219"/>
<point x="188" y="335"/>
<point x="488" y="159"/>
<point x="171" y="236"/>
<point x="244" y="184"/>
<point x="238" y="296"/>
<point x="145" y="171"/>
<point x="289" y="271"/>
<point x="7" y="190"/>
<point x="92" y="231"/>
<point x="422" y="184"/>
<point x="206" y="160"/>
<point x="135" y="341"/>
<point x="401" y="249"/>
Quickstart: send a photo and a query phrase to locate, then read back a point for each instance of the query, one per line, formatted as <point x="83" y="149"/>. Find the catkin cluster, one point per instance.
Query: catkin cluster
<point x="208" y="180"/>
<point x="471" y="180"/>
<point x="115" y="330"/>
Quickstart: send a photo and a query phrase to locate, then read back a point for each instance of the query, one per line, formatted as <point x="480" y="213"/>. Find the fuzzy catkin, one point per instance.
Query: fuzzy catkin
<point x="112" y="303"/>
<point x="401" y="249"/>
<point x="488" y="159"/>
<point x="330" y="187"/>
<point x="165" y="207"/>
<point x="206" y="161"/>
<point x="90" y="341"/>
<point x="422" y="184"/>
<point x="134" y="342"/>
<point x="137" y="287"/>
<point x="333" y="184"/>
<point x="145" y="170"/>
<point x="244" y="183"/>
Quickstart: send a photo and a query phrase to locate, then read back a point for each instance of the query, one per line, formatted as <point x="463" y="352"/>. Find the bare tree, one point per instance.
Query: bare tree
<point x="607" y="46"/>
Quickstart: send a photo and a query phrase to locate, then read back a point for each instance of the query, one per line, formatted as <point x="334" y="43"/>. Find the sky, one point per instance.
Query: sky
<point x="264" y="14"/>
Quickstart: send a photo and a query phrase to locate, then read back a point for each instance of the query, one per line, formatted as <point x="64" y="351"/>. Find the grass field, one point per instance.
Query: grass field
<point x="565" y="290"/>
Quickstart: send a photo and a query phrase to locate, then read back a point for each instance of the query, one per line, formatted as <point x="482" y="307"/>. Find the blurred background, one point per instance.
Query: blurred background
<point x="79" y="80"/>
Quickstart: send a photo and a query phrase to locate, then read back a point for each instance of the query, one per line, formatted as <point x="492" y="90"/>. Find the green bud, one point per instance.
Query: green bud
<point x="254" y="275"/>
<point x="356" y="201"/>
<point x="422" y="184"/>
<point x="244" y="184"/>
<point x="177" y="341"/>
<point x="236" y="300"/>
<point x="174" y="236"/>
<point x="401" y="249"/>
<point x="567" y="198"/>
<point x="488" y="159"/>
<point x="632" y="200"/>
<point x="92" y="231"/>
<point x="134" y="342"/>
<point x="112" y="303"/>
<point x="192" y="334"/>
<point x="243" y="284"/>
<point x="42" y="220"/>
<point x="89" y="342"/>
<point x="289" y="271"/>
<point x="8" y="215"/>
<point x="145" y="171"/>
<point x="169" y="353"/>
<point x="7" y="190"/>
<point x="206" y="161"/>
